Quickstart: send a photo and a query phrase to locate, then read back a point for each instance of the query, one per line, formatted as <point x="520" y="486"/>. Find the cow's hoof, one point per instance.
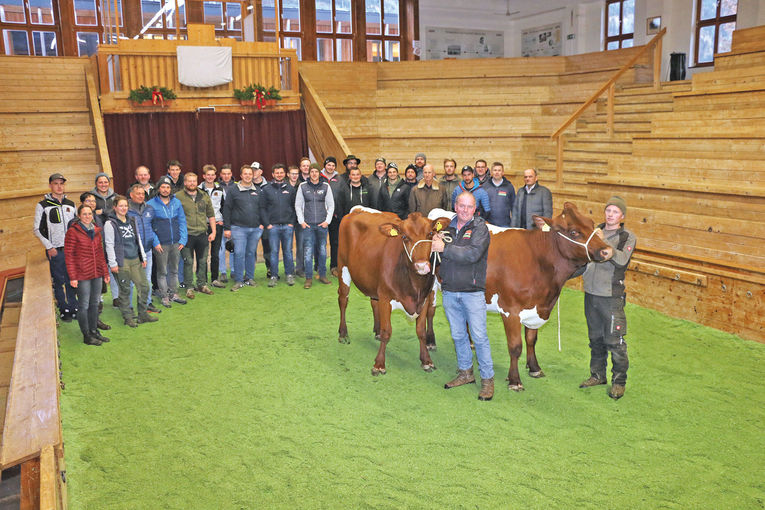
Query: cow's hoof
<point x="431" y="347"/>
<point x="378" y="371"/>
<point x="516" y="387"/>
<point x="343" y="340"/>
<point x="429" y="367"/>
<point x="537" y="375"/>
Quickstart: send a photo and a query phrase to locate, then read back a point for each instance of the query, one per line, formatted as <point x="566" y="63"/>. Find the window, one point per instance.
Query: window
<point x="334" y="21"/>
<point x="620" y="24"/>
<point x="87" y="43"/>
<point x="382" y="20"/>
<point x="715" y="23"/>
<point x="290" y="31"/>
<point x="29" y="27"/>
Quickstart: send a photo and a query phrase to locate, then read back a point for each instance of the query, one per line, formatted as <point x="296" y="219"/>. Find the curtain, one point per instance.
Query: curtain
<point x="196" y="139"/>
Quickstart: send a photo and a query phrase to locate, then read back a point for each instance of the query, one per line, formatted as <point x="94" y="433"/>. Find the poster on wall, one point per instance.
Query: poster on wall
<point x="462" y="43"/>
<point x="543" y="41"/>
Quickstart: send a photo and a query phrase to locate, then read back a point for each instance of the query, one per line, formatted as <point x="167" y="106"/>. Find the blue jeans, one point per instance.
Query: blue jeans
<point x="315" y="237"/>
<point x="281" y="234"/>
<point x="245" y="250"/>
<point x="298" y="247"/>
<point x="88" y="292"/>
<point x="470" y="308"/>
<point x="222" y="258"/>
<point x="66" y="296"/>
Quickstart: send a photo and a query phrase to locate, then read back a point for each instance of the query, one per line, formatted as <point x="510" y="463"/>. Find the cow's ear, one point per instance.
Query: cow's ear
<point x="390" y="229"/>
<point x="542" y="223"/>
<point x="440" y="224"/>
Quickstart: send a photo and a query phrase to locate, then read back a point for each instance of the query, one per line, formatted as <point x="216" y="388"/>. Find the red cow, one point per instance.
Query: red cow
<point x="526" y="272"/>
<point x="389" y="261"/>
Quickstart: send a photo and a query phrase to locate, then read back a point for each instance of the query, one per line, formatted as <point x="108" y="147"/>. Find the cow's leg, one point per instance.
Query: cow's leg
<point x="515" y="347"/>
<point x="531" y="355"/>
<point x="376" y="315"/>
<point x="422" y="334"/>
<point x="430" y="335"/>
<point x="383" y="312"/>
<point x="342" y="301"/>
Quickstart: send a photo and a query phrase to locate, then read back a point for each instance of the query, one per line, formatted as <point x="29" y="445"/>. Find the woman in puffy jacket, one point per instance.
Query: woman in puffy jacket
<point x="86" y="266"/>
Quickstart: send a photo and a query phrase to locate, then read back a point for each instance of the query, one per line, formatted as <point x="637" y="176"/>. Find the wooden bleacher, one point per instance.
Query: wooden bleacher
<point x="687" y="157"/>
<point x="47" y="125"/>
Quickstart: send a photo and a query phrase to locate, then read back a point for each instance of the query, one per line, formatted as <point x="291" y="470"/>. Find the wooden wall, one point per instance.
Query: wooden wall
<point x="687" y="158"/>
<point x="45" y="127"/>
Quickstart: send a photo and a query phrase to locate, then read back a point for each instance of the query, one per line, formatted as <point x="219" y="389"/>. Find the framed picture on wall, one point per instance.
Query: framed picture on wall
<point x="653" y="25"/>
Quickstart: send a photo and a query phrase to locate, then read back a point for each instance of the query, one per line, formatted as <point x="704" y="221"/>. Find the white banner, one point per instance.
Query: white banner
<point x="204" y="66"/>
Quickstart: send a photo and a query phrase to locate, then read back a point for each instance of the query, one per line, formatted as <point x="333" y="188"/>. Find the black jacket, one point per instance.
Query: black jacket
<point x="356" y="196"/>
<point x="398" y="201"/>
<point x="463" y="262"/>
<point x="336" y="184"/>
<point x="279" y="204"/>
<point x="243" y="207"/>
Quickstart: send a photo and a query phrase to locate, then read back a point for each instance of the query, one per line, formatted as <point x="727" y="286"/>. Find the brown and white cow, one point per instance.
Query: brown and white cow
<point x="389" y="261"/>
<point x="526" y="272"/>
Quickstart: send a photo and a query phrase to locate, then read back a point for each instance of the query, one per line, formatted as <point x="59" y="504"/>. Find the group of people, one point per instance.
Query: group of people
<point x="156" y="235"/>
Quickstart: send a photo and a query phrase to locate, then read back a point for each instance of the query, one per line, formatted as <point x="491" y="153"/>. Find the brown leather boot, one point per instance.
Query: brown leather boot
<point x="463" y="377"/>
<point x="487" y="389"/>
<point x="592" y="381"/>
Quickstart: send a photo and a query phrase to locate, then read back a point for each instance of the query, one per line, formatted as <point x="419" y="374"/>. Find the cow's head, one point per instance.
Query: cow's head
<point x="415" y="233"/>
<point x="579" y="240"/>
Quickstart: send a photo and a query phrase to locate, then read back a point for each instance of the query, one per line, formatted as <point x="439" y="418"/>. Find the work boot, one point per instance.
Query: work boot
<point x="616" y="391"/>
<point x="308" y="283"/>
<point x="272" y="281"/>
<point x="129" y="321"/>
<point x="153" y="309"/>
<point x="190" y="293"/>
<point x="487" y="389"/>
<point x="204" y="289"/>
<point x="463" y="377"/>
<point x="145" y="317"/>
<point x="324" y="280"/>
<point x="218" y="284"/>
<point x="166" y="302"/>
<point x="90" y="340"/>
<point x="103" y="325"/>
<point x="237" y="286"/>
<point x="592" y="381"/>
<point x="290" y="280"/>
<point x="300" y="273"/>
<point x="178" y="299"/>
<point x="250" y="282"/>
<point x="98" y="336"/>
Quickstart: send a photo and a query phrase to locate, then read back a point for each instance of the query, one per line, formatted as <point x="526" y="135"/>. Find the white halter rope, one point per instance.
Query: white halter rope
<point x="585" y="245"/>
<point x="446" y="238"/>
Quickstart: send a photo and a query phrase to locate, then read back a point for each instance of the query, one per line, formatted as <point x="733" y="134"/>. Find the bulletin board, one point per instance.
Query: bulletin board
<point x="543" y="41"/>
<point x="463" y="43"/>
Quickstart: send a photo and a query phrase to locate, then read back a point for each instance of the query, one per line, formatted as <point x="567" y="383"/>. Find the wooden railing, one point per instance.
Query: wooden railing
<point x="324" y="138"/>
<point x="31" y="430"/>
<point x="153" y="62"/>
<point x="97" y="121"/>
<point x="610" y="87"/>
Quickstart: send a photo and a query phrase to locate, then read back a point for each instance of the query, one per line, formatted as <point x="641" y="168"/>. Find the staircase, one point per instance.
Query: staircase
<point x="46" y="126"/>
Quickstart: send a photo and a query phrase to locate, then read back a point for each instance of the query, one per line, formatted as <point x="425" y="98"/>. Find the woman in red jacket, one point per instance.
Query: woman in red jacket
<point x="86" y="265"/>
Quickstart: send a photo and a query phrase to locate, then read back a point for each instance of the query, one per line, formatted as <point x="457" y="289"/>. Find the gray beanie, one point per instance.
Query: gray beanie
<point x="618" y="202"/>
<point x="420" y="155"/>
<point x="101" y="174"/>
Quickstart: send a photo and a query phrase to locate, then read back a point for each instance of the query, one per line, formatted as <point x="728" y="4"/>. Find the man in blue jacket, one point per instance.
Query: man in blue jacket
<point x="279" y="219"/>
<point x="470" y="184"/>
<point x="169" y="225"/>
<point x="243" y="223"/>
<point x="143" y="214"/>
<point x="501" y="196"/>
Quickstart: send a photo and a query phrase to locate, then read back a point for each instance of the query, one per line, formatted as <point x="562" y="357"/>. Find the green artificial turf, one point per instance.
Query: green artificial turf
<point x="247" y="400"/>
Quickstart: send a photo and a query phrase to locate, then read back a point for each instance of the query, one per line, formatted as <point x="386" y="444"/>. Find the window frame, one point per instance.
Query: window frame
<point x="29" y="27"/>
<point x="716" y="22"/>
<point x="621" y="36"/>
<point x="382" y="37"/>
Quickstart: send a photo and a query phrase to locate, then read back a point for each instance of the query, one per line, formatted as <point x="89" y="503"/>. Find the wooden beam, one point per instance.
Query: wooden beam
<point x="559" y="161"/>
<point x="30" y="484"/>
<point x="610" y="111"/>
<point x="657" y="65"/>
<point x="97" y="121"/>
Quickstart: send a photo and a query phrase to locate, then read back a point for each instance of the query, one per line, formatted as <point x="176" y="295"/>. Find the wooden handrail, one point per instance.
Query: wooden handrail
<point x="609" y="86"/>
<point x="322" y="131"/>
<point x="98" y="123"/>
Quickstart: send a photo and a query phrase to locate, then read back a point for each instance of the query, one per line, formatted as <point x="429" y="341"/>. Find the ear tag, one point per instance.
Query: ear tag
<point x="438" y="226"/>
<point x="393" y="232"/>
<point x="545" y="228"/>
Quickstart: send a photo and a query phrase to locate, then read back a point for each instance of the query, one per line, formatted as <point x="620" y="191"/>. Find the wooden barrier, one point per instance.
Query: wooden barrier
<point x="322" y="133"/>
<point x="31" y="429"/>
<point x="153" y="62"/>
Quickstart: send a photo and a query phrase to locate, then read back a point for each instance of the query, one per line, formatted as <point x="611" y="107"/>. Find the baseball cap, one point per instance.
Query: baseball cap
<point x="256" y="166"/>
<point x="164" y="180"/>
<point x="55" y="176"/>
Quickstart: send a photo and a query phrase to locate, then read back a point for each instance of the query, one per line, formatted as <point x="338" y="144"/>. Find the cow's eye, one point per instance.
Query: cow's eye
<point x="574" y="233"/>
